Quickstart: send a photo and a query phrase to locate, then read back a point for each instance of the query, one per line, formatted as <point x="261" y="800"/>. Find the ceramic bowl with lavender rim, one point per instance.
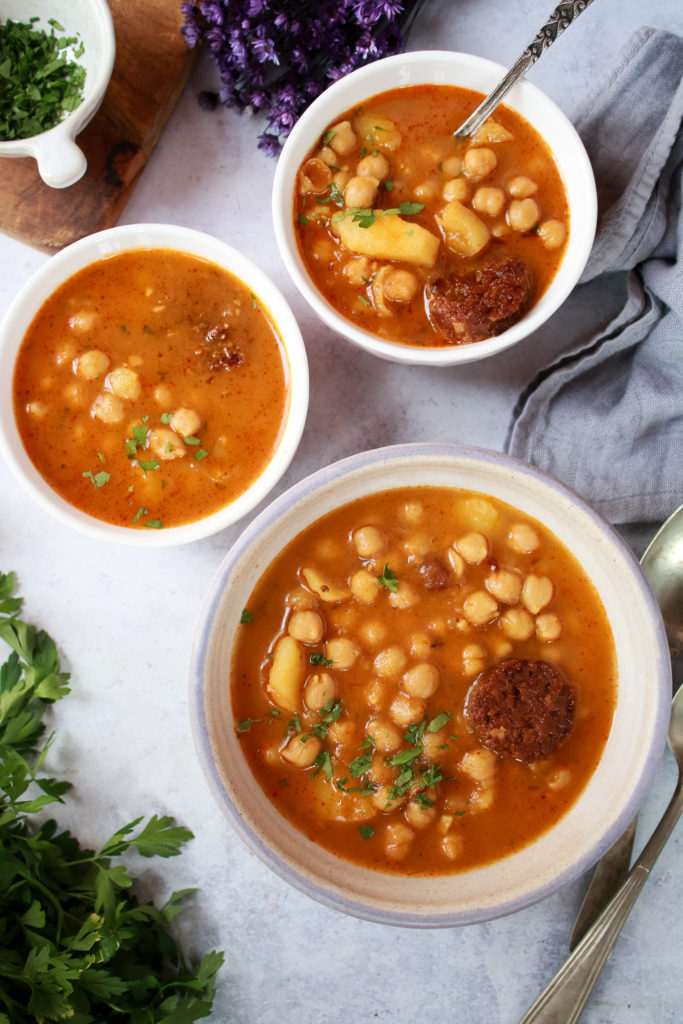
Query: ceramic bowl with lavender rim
<point x="61" y="162"/>
<point x="470" y="72"/>
<point x="614" y="792"/>
<point x="125" y="238"/>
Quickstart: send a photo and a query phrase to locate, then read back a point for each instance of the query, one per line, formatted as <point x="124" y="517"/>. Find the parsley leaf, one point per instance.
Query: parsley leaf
<point x="388" y="579"/>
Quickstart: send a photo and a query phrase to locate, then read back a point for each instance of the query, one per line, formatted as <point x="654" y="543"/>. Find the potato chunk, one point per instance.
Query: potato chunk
<point x="491" y="131"/>
<point x="381" y="132"/>
<point x="324" y="588"/>
<point x="465" y="233"/>
<point x="389" y="237"/>
<point x="286" y="673"/>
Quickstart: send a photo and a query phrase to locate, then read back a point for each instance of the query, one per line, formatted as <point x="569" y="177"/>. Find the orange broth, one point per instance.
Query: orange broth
<point x="151" y="389"/>
<point x="327" y="662"/>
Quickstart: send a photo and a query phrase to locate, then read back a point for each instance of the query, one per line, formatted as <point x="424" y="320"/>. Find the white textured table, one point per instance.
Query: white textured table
<point x="124" y="621"/>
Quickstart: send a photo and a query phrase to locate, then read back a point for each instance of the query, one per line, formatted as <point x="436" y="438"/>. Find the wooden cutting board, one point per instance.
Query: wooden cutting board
<point x="151" y="67"/>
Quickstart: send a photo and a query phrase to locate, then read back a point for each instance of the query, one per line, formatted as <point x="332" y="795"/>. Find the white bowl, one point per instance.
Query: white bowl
<point x="448" y="69"/>
<point x="121" y="239"/>
<point x="614" y="792"/>
<point x="60" y="161"/>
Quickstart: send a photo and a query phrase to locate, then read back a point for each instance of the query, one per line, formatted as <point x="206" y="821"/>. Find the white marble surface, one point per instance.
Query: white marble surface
<point x="124" y="621"/>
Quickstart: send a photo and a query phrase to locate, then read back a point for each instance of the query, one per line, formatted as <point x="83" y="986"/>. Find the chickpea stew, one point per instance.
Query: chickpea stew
<point x="423" y="680"/>
<point x="424" y="239"/>
<point x="151" y="389"/>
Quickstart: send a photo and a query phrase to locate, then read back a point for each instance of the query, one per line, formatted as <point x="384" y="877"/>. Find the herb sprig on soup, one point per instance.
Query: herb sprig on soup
<point x="422" y="238"/>
<point x="151" y="389"/>
<point x="423" y="680"/>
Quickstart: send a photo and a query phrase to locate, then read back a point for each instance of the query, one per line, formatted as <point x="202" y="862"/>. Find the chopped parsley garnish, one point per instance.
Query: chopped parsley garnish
<point x="366" y="831"/>
<point x="365" y="218"/>
<point x="140" y="512"/>
<point x="406" y="756"/>
<point x="327" y="137"/>
<point x="190" y="439"/>
<point x="97" y="479"/>
<point x="200" y="454"/>
<point x="331" y="712"/>
<point x="166" y="417"/>
<point x="319" y="659"/>
<point x="154" y="524"/>
<point x="302" y="218"/>
<point x="323" y="763"/>
<point x="294" y="725"/>
<point x="246" y="725"/>
<point x="388" y="579"/>
<point x="149" y="465"/>
<point x="439" y="722"/>
<point x="246" y="617"/>
<point x="361" y="764"/>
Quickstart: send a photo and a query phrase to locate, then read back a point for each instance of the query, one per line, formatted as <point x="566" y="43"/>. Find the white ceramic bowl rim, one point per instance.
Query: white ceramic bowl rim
<point x="238" y="559"/>
<point x="439" y="66"/>
<point x="121" y="239"/>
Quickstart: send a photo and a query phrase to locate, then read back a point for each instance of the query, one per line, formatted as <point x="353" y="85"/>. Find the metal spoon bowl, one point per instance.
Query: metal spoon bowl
<point x="560" y="19"/>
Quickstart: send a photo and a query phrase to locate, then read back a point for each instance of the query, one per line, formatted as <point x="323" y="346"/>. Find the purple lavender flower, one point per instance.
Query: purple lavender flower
<point x="275" y="60"/>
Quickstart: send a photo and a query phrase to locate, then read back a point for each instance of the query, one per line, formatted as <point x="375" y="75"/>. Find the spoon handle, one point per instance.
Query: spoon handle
<point x="560" y="19"/>
<point x="565" y="997"/>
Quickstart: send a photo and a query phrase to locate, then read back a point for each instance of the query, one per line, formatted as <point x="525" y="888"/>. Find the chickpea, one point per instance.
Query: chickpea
<point x="302" y="600"/>
<point x="420" y="815"/>
<point x="374" y="165"/>
<point x="552" y="233"/>
<point x="360" y="192"/>
<point x="453" y="846"/>
<point x="390" y="662"/>
<point x="422" y="680"/>
<point x="400" y="285"/>
<point x="548" y="627"/>
<point x="165" y="444"/>
<point x="420" y="646"/>
<point x="434" y="744"/>
<point x="505" y="585"/>
<point x="521" y="187"/>
<point x="307" y="627"/>
<point x="559" y="779"/>
<point x="405" y="710"/>
<point x="473" y="659"/>
<point x="473" y="547"/>
<point x="517" y="624"/>
<point x="480" y="764"/>
<point x="417" y="545"/>
<point x="342" y="733"/>
<point x="302" y="750"/>
<point x="375" y="694"/>
<point x="186" y="422"/>
<point x="315" y="176"/>
<point x="380" y="771"/>
<point x="162" y="396"/>
<point x="397" y="841"/>
<point x="479" y="162"/>
<point x="385" y="735"/>
<point x="489" y="201"/>
<point x="319" y="690"/>
<point x="357" y="271"/>
<point x="364" y="586"/>
<point x="328" y="156"/>
<point x="456" y="562"/>
<point x="369" y="541"/>
<point x="124" y="383"/>
<point x="425" y="190"/>
<point x="480" y="608"/>
<point x="84" y="320"/>
<point x="343" y="138"/>
<point x="374" y="633"/>
<point x="341" y="179"/>
<point x="383" y="800"/>
<point x="523" y="538"/>
<point x="108" y="408"/>
<point x="37" y="409"/>
<point x="66" y="354"/>
<point x="456" y="188"/>
<point x="537" y="592"/>
<point x="523" y="214"/>
<point x="404" y="597"/>
<point x="412" y="512"/>
<point x="74" y="393"/>
<point x="480" y="513"/>
<point x="481" y="799"/>
<point x="92" y="364"/>
<point x="452" y="165"/>
<point x="342" y="651"/>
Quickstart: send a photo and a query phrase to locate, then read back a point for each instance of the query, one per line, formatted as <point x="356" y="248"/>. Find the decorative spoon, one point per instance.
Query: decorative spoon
<point x="662" y="564"/>
<point x="566" y="995"/>
<point x="560" y="19"/>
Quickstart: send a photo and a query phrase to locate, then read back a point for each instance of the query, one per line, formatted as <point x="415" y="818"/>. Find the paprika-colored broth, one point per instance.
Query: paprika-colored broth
<point x="354" y="658"/>
<point x="151" y="389"/>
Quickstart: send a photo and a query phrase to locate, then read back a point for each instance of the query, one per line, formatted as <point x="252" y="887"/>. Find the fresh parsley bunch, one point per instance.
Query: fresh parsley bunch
<point x="75" y="943"/>
<point x="275" y="58"/>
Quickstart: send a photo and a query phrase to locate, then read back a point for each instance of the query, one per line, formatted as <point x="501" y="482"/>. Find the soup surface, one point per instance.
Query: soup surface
<point x="151" y="389"/>
<point x="367" y="652"/>
<point x="424" y="239"/>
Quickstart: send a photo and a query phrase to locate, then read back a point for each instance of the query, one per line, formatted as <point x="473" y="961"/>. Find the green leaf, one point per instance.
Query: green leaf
<point x="388" y="579"/>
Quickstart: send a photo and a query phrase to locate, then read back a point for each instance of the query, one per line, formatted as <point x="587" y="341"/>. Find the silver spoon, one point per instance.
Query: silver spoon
<point x="566" y="995"/>
<point x="560" y="19"/>
<point x="662" y="563"/>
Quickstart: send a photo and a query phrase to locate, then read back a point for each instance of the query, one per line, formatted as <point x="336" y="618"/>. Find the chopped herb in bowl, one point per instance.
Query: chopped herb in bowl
<point x="39" y="81"/>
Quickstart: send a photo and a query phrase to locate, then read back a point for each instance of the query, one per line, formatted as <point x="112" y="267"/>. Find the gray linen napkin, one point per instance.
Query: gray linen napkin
<point x="606" y="417"/>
